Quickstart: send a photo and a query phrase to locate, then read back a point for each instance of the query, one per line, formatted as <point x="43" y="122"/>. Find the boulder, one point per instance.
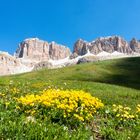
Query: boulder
<point x="87" y="59"/>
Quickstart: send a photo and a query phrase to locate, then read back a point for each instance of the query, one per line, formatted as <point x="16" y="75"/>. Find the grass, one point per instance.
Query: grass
<point x="112" y="81"/>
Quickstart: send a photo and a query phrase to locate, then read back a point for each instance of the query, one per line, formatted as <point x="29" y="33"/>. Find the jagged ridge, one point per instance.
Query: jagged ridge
<point x="33" y="54"/>
<point x="107" y="44"/>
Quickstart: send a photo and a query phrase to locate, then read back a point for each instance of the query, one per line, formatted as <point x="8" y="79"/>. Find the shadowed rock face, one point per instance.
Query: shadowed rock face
<point x="41" y="50"/>
<point x="107" y="44"/>
<point x="135" y="45"/>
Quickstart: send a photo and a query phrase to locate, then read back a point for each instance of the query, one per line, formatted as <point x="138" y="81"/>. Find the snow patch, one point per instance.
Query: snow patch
<point x="115" y="53"/>
<point x="59" y="62"/>
<point x="89" y="53"/>
<point x="31" y="39"/>
<point x="21" y="69"/>
<point x="103" y="53"/>
<point x="6" y="53"/>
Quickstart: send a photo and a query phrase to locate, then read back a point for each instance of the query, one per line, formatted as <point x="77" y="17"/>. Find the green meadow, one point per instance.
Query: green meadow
<point x="115" y="82"/>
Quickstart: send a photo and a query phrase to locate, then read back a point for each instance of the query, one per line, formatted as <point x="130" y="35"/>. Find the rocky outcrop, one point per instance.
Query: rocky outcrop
<point x="73" y="55"/>
<point x="41" y="65"/>
<point x="87" y="59"/>
<point x="135" y="45"/>
<point x="107" y="44"/>
<point x="7" y="59"/>
<point x="10" y="65"/>
<point x="35" y="49"/>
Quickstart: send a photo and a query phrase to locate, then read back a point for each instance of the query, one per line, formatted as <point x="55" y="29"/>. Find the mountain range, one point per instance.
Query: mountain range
<point x="33" y="53"/>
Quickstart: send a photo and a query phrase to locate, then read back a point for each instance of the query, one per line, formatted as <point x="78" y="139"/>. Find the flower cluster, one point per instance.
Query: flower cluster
<point x="138" y="108"/>
<point x="66" y="104"/>
<point x="14" y="90"/>
<point x="2" y="94"/>
<point x="123" y="113"/>
<point x="38" y="85"/>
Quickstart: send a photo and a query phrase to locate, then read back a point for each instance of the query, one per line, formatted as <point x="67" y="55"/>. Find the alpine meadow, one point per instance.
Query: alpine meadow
<point x="99" y="100"/>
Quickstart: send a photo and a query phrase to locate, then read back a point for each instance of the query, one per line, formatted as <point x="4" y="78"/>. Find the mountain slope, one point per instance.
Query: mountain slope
<point x="115" y="82"/>
<point x="106" y="79"/>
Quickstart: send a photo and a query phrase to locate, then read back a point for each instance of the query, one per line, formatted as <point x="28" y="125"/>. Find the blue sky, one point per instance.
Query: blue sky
<point x="65" y="21"/>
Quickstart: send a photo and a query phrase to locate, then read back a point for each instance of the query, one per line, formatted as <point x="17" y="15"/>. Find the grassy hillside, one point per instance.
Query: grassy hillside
<point x="112" y="81"/>
<point x="109" y="80"/>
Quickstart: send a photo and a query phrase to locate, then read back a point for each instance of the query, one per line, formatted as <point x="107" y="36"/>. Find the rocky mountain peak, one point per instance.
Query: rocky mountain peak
<point x="34" y="48"/>
<point x="135" y="45"/>
<point x="79" y="47"/>
<point x="107" y="44"/>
